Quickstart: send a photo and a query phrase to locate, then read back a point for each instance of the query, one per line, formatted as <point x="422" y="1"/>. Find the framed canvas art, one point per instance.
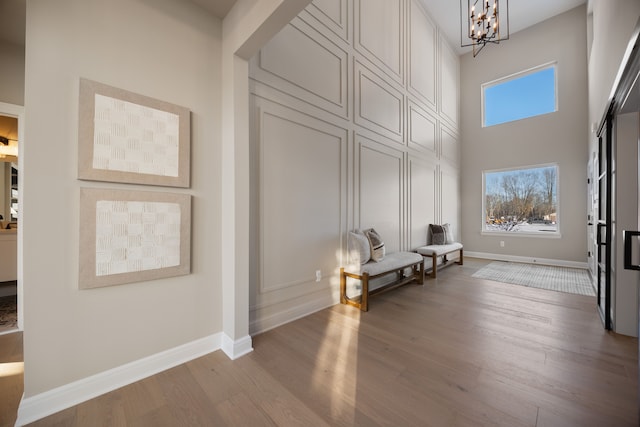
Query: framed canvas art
<point x="130" y="138"/>
<point x="131" y="236"/>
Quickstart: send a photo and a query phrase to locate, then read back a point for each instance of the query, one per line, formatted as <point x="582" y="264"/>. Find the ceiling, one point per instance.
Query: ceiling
<point x="522" y="14"/>
<point x="446" y="13"/>
<point x="219" y="8"/>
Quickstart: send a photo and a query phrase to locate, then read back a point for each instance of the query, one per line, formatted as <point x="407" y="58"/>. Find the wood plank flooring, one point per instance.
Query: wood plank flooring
<point x="11" y="377"/>
<point x="457" y="351"/>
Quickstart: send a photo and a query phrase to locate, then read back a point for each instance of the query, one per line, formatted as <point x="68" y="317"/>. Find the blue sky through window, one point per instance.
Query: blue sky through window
<point x="517" y="98"/>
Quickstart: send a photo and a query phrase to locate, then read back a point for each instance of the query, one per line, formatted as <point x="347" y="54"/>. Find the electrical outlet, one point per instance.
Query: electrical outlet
<point x="502" y="243"/>
<point x="318" y="275"/>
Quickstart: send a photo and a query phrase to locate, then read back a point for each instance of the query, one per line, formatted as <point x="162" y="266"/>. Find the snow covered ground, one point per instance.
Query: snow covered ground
<point x="524" y="227"/>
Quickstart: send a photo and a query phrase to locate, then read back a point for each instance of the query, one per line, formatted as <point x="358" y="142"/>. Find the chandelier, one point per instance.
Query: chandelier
<point x="482" y="22"/>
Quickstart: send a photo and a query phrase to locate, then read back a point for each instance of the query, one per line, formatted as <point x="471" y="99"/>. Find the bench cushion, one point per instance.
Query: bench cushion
<point x="390" y="262"/>
<point x="438" y="250"/>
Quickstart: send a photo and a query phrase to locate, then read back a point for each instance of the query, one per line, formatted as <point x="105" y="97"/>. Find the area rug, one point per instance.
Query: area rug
<point x="561" y="279"/>
<point x="8" y="313"/>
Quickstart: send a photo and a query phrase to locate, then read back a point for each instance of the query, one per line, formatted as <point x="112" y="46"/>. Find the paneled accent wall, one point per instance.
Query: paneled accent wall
<point x="355" y="110"/>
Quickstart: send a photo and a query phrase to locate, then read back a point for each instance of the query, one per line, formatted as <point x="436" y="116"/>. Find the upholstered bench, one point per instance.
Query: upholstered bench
<point x="435" y="251"/>
<point x="396" y="262"/>
<point x="440" y="243"/>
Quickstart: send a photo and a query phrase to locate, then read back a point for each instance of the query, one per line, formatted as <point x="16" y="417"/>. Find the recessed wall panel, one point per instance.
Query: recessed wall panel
<point x="303" y="63"/>
<point x="422" y="128"/>
<point x="379" y="34"/>
<point x="422" y="200"/>
<point x="380" y="191"/>
<point x="379" y="106"/>
<point x="422" y="55"/>
<point x="450" y="146"/>
<point x="333" y="14"/>
<point x="449" y="77"/>
<point x="450" y="198"/>
<point x="301" y="197"/>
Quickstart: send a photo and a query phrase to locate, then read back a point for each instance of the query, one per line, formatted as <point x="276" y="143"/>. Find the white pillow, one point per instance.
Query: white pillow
<point x="359" y="249"/>
<point x="448" y="234"/>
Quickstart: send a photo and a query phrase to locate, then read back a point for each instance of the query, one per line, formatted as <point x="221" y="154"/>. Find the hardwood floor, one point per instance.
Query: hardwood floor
<point x="455" y="352"/>
<point x="11" y="377"/>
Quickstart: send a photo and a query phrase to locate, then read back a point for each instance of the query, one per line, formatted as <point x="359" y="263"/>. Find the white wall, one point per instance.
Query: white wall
<point x="163" y="49"/>
<point x="625" y="202"/>
<point x="558" y="137"/>
<point x="355" y="124"/>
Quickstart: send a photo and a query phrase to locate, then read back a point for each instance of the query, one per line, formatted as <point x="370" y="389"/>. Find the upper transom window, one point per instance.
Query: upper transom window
<point x="520" y="96"/>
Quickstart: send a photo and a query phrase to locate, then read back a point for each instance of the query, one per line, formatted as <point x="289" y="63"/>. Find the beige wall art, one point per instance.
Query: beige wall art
<point x="131" y="236"/>
<point x="130" y="138"/>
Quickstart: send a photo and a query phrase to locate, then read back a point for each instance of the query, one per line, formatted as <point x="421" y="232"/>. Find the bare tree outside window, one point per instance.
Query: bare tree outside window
<point x="521" y="200"/>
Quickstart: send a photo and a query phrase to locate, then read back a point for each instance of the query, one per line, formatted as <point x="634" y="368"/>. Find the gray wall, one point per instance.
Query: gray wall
<point x="355" y="125"/>
<point x="558" y="137"/>
<point x="163" y="49"/>
<point x="613" y="23"/>
<point x="12" y="81"/>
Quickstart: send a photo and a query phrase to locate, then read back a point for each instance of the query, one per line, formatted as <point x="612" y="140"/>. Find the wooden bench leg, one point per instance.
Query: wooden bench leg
<point x="364" y="299"/>
<point x="420" y="272"/>
<point x="343" y="287"/>
<point x="461" y="261"/>
<point x="434" y="259"/>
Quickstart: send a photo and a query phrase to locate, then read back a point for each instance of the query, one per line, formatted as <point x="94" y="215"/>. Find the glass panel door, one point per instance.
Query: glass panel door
<point x="603" y="222"/>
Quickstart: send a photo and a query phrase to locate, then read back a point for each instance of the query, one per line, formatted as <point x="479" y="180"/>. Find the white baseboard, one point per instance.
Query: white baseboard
<point x="44" y="404"/>
<point x="527" y="260"/>
<point x="234" y="349"/>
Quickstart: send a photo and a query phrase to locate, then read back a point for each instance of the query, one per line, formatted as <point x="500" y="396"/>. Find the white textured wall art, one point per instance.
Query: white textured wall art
<point x="136" y="236"/>
<point x="131" y="138"/>
<point x="130" y="236"/>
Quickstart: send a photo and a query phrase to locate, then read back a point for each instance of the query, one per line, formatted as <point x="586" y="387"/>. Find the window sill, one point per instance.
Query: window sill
<point x="538" y="235"/>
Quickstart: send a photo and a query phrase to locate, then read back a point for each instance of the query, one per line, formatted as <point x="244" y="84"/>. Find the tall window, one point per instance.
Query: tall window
<point x="523" y="201"/>
<point x="522" y="95"/>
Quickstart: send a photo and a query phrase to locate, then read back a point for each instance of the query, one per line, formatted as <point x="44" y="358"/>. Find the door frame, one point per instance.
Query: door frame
<point x="605" y="148"/>
<point x="592" y="209"/>
<point x="18" y="112"/>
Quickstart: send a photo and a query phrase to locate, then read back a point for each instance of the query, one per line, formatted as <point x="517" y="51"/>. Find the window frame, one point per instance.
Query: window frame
<point x="553" y="65"/>
<point x="543" y="235"/>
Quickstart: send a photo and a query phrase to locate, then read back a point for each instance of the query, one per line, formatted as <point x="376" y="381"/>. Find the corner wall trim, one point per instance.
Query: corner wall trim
<point x="234" y="349"/>
<point x="44" y="404"/>
<point x="527" y="260"/>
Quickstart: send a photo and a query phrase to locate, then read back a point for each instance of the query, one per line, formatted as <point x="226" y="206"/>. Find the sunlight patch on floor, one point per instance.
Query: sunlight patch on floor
<point x="336" y="359"/>
<point x="11" y="369"/>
